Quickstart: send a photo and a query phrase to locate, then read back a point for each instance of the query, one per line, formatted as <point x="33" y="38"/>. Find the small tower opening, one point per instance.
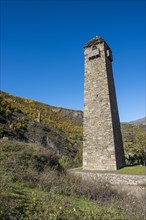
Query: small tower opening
<point x="94" y="47"/>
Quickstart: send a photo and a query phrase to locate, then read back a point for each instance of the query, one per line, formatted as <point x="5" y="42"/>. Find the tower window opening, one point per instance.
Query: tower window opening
<point x="93" y="57"/>
<point x="94" y="47"/>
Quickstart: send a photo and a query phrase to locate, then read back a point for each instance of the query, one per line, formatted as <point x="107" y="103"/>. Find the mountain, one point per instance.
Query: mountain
<point x="141" y="121"/>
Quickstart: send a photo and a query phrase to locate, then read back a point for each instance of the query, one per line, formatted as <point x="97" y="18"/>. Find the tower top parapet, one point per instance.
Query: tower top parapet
<point x="96" y="40"/>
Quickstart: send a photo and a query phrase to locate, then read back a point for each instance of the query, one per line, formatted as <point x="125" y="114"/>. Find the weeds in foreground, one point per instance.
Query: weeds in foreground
<point x="35" y="187"/>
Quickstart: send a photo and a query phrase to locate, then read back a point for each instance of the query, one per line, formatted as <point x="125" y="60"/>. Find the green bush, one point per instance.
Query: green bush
<point x="65" y="161"/>
<point x="8" y="111"/>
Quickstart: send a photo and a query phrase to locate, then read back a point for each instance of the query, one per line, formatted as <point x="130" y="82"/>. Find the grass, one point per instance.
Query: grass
<point x="132" y="170"/>
<point x="32" y="203"/>
<point x="128" y="170"/>
<point x="34" y="187"/>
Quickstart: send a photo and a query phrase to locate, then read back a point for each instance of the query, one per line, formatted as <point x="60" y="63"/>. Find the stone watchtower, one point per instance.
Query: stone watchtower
<point x="102" y="145"/>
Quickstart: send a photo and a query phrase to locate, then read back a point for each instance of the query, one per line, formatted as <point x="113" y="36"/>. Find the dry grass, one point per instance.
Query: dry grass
<point x="34" y="186"/>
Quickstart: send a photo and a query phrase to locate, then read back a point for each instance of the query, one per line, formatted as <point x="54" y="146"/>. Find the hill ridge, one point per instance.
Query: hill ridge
<point x="138" y="121"/>
<point x="59" y="128"/>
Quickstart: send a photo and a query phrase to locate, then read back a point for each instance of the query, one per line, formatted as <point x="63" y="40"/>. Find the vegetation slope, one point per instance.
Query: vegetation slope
<point x="60" y="129"/>
<point x="33" y="181"/>
<point x="34" y="186"/>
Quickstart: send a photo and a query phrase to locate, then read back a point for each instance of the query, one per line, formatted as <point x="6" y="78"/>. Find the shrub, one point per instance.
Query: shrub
<point x="11" y="126"/>
<point x="65" y="161"/>
<point x="46" y="158"/>
<point x="8" y="111"/>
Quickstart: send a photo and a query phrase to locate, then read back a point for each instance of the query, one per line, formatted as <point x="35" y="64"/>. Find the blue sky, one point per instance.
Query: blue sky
<point x="42" y="50"/>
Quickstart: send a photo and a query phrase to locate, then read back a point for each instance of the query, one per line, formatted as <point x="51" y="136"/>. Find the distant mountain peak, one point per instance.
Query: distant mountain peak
<point x="141" y="121"/>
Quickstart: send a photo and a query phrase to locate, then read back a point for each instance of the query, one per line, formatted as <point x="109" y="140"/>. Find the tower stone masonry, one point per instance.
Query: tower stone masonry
<point x="102" y="144"/>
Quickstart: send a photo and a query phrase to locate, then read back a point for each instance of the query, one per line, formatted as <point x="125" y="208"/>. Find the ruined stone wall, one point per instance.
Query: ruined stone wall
<point x="129" y="184"/>
<point x="114" y="179"/>
<point x="102" y="144"/>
